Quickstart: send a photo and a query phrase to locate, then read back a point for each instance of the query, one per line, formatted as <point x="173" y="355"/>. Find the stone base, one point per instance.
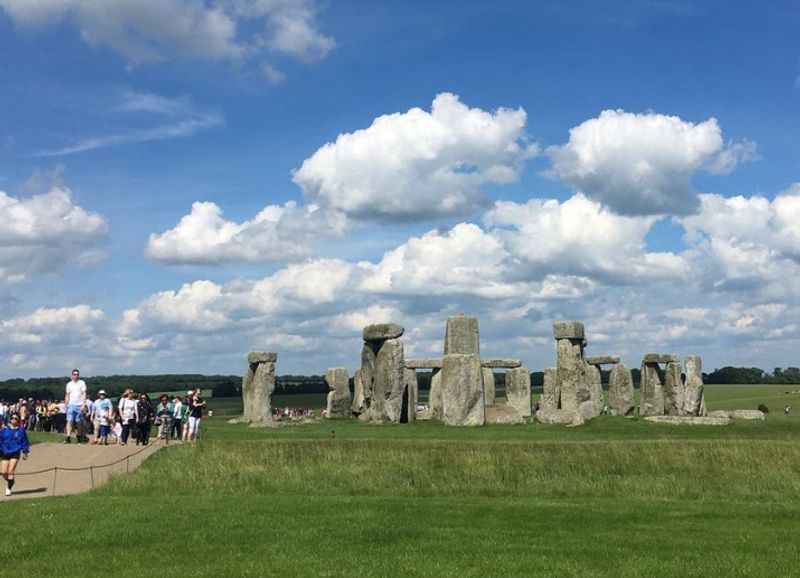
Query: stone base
<point x="751" y="414"/>
<point x="688" y="420"/>
<point x="503" y="414"/>
<point x="559" y="417"/>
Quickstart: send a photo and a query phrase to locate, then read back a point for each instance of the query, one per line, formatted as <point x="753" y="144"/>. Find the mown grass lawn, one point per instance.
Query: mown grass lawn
<point x="618" y="497"/>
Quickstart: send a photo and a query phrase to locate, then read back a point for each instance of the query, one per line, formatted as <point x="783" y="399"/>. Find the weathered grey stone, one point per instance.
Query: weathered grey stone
<point x="688" y="420"/>
<point x="382" y="331"/>
<point x="359" y="404"/>
<point x="389" y="382"/>
<point x="461" y="336"/>
<point x="489" y="386"/>
<point x="620" y="391"/>
<point x="339" y="401"/>
<point x="673" y="389"/>
<point x="743" y="414"/>
<point x="571" y="374"/>
<point x="462" y="390"/>
<point x="258" y="384"/>
<point x="424" y="363"/>
<point x="694" y="397"/>
<point x="435" y="395"/>
<point x="659" y="358"/>
<point x="551" y="394"/>
<point x="501" y="363"/>
<point x="368" y="358"/>
<point x="594" y="380"/>
<point x="602" y="360"/>
<point x="651" y="391"/>
<point x="558" y="417"/>
<point x="518" y="390"/>
<point x="411" y="397"/>
<point x="262" y="357"/>
<point x="568" y="330"/>
<point x="503" y="414"/>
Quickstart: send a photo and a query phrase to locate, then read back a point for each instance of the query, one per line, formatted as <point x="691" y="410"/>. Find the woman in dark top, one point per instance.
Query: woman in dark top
<point x="144" y="417"/>
<point x="196" y="406"/>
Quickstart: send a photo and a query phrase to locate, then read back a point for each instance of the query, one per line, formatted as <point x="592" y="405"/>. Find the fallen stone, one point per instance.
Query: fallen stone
<point x="518" y="390"/>
<point x="262" y="357"/>
<point x="503" y="414"/>
<point x="688" y="420"/>
<point x="743" y="414"/>
<point x="620" y="391"/>
<point x="659" y="358"/>
<point x="461" y="336"/>
<point x="382" y="331"/>
<point x="339" y="401"/>
<point x="602" y="360"/>
<point x="558" y="417"/>
<point x="550" y="392"/>
<point x="501" y="363"/>
<point x="462" y="390"/>
<point x="489" y="387"/>
<point x="424" y="363"/>
<point x="568" y="330"/>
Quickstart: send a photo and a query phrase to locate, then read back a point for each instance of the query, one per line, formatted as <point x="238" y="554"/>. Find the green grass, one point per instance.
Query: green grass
<point x="618" y="497"/>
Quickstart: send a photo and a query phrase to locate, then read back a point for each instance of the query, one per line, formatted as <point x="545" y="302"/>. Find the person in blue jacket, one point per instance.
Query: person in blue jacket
<point x="13" y="443"/>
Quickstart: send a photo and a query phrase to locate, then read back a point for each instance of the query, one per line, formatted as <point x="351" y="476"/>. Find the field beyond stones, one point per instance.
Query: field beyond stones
<point x="617" y="497"/>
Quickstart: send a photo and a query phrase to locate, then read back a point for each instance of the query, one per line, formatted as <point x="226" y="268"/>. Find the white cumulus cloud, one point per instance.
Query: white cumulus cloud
<point x="418" y="164"/>
<point x="642" y="164"/>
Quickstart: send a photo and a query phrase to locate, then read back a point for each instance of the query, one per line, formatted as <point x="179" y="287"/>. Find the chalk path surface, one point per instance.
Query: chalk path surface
<point x="59" y="469"/>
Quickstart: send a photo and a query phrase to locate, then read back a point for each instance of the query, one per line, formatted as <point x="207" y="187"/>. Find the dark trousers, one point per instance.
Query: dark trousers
<point x="126" y="430"/>
<point x="143" y="433"/>
<point x="177" y="429"/>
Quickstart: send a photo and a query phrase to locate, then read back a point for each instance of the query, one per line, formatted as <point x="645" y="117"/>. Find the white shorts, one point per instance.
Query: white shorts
<point x="194" y="425"/>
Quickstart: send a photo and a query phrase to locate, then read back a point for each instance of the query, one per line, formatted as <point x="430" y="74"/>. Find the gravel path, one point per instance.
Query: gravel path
<point x="58" y="469"/>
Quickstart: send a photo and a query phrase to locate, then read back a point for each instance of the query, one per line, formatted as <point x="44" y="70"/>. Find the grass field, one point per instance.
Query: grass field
<point x="618" y="497"/>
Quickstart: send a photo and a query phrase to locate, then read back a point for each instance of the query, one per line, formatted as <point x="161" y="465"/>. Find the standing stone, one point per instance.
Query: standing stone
<point x="258" y="384"/>
<point x="694" y="399"/>
<point x="488" y="386"/>
<point x="411" y="396"/>
<point x="594" y="381"/>
<point x="359" y="404"/>
<point x="551" y="393"/>
<point x="435" y="395"/>
<point x="339" y="401"/>
<point x="620" y="391"/>
<point x="673" y="389"/>
<point x="651" y="391"/>
<point x="462" y="390"/>
<point x="461" y="335"/>
<point x="571" y="374"/>
<point x="388" y="383"/>
<point x="368" y="357"/>
<point x="518" y="390"/>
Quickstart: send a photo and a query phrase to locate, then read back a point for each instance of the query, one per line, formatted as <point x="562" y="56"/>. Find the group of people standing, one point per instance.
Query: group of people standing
<point x="176" y="418"/>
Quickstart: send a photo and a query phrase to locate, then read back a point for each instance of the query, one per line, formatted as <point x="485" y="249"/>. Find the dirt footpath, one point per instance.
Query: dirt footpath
<point x="59" y="469"/>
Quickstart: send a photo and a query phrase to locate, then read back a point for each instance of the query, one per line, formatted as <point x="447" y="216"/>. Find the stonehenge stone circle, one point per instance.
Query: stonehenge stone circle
<point x="389" y="382"/>
<point x="620" y="391"/>
<point x="551" y="395"/>
<point x="339" y="401"/>
<point x="258" y="384"/>
<point x="518" y="390"/>
<point x="673" y="389"/>
<point x="570" y="367"/>
<point x="463" y="403"/>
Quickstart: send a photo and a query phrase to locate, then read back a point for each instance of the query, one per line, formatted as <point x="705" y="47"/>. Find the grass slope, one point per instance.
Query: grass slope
<point x="614" y="498"/>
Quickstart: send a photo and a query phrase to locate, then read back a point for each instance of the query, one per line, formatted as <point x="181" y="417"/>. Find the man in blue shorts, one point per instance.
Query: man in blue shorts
<point x="75" y="400"/>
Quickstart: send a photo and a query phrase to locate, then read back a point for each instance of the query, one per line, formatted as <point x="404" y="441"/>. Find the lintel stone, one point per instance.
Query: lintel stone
<point x="382" y="331"/>
<point x="568" y="330"/>
<point x="261" y="357"/>
<point x="660" y="358"/>
<point x="602" y="360"/>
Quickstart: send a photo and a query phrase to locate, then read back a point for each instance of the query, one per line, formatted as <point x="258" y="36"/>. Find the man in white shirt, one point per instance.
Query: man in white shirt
<point x="75" y="400"/>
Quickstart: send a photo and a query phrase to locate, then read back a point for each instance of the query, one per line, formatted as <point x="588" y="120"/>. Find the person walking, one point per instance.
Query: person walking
<point x="179" y="411"/>
<point x="164" y="417"/>
<point x="196" y="407"/>
<point x="144" y="417"/>
<point x="102" y="413"/>
<point x="127" y="415"/>
<point x="13" y="443"/>
<point x="75" y="400"/>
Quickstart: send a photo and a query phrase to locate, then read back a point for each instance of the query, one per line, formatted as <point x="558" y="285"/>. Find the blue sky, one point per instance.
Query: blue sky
<point x="117" y="119"/>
